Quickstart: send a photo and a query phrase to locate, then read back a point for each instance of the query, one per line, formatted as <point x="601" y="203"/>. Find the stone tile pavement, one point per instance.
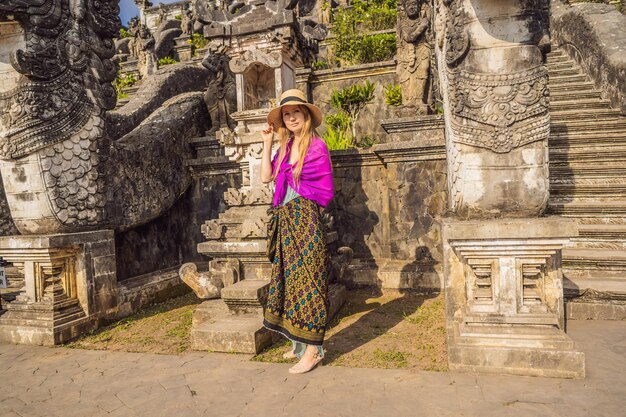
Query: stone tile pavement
<point x="39" y="381"/>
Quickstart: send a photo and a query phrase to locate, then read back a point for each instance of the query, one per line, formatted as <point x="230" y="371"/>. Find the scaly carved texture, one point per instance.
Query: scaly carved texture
<point x="72" y="173"/>
<point x="66" y="67"/>
<point x="146" y="171"/>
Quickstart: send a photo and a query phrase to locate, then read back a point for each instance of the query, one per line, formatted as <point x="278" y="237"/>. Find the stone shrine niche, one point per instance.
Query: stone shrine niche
<point x="259" y="84"/>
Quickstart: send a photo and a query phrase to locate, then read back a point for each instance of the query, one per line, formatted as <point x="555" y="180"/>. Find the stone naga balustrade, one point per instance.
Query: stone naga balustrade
<point x="495" y="87"/>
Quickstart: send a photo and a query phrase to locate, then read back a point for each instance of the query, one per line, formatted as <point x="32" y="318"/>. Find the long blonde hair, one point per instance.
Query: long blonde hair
<point x="284" y="134"/>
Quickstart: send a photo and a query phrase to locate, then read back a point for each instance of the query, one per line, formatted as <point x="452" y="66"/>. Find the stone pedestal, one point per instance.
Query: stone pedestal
<point x="235" y="323"/>
<point x="69" y="283"/>
<point x="504" y="295"/>
<point x="183" y="48"/>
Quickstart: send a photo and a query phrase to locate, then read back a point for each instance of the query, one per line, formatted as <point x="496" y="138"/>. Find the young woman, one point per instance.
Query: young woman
<point x="297" y="305"/>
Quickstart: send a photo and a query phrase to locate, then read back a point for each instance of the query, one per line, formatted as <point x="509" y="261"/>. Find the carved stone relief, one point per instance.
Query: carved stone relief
<point x="414" y="52"/>
<point x="495" y="88"/>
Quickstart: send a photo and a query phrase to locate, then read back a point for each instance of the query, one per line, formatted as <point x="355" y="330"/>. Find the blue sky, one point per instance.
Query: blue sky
<point x="129" y="9"/>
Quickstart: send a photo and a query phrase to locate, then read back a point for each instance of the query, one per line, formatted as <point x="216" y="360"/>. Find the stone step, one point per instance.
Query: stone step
<point x="603" y="231"/>
<point x="581" y="208"/>
<point x="591" y="153"/>
<point x="246" y="294"/>
<point x="595" y="264"/>
<point x="556" y="55"/>
<point x="584" y="114"/>
<point x="611" y="124"/>
<point x="576" y="287"/>
<point x="561" y="62"/>
<point x="581" y="104"/>
<point x="565" y="95"/>
<point x="231" y="333"/>
<point x="577" y="86"/>
<point x="561" y="80"/>
<point x="578" y="138"/>
<point x="584" y="170"/>
<point x="563" y="71"/>
<point x="597" y="190"/>
<point x="543" y="337"/>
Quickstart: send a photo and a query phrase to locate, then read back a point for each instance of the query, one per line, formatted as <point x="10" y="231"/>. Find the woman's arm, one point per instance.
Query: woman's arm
<point x="266" y="163"/>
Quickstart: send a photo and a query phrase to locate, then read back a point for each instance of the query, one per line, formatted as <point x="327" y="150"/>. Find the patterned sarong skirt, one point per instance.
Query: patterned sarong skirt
<point x="297" y="305"/>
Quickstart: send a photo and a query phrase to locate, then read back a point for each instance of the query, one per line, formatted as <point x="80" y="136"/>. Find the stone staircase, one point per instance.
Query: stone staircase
<point x="588" y="182"/>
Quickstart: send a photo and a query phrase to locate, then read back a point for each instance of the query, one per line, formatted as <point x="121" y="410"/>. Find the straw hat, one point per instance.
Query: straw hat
<point x="291" y="98"/>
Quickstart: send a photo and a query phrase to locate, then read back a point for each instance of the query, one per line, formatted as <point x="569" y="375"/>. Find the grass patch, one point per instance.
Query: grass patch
<point x="159" y="328"/>
<point x="388" y="329"/>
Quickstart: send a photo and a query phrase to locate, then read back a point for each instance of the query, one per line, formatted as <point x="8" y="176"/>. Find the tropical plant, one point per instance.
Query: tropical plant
<point x="121" y="82"/>
<point x="168" y="60"/>
<point x="352" y="100"/>
<point x="393" y="95"/>
<point x="352" y="39"/>
<point x="124" y="33"/>
<point x="197" y="41"/>
<point x="337" y="139"/>
<point x="320" y="64"/>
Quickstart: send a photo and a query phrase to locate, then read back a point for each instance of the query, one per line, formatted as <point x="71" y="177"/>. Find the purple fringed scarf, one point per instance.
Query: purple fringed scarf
<point x="316" y="179"/>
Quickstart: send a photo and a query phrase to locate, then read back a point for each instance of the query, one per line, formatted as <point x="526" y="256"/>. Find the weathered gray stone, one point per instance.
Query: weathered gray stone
<point x="593" y="34"/>
<point x="495" y="90"/>
<point x="67" y="290"/>
<point x="504" y="297"/>
<point x="203" y="284"/>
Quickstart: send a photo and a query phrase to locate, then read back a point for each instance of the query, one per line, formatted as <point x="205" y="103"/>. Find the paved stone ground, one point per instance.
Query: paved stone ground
<point x="38" y="381"/>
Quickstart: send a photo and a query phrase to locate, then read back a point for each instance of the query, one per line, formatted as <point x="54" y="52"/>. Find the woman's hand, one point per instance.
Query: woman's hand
<point x="268" y="135"/>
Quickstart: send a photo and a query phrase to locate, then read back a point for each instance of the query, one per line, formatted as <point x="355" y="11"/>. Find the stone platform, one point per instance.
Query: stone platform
<point x="235" y="323"/>
<point x="504" y="297"/>
<point x="64" y="382"/>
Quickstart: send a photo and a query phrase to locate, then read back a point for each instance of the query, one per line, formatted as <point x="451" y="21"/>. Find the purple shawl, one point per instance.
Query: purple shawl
<point x="316" y="179"/>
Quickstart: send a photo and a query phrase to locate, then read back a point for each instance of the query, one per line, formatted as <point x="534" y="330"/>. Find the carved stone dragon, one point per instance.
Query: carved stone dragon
<point x="66" y="165"/>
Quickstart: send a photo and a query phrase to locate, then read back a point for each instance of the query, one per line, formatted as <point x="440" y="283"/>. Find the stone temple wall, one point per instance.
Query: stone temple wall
<point x="324" y="82"/>
<point x="389" y="213"/>
<point x="171" y="239"/>
<point x="593" y="34"/>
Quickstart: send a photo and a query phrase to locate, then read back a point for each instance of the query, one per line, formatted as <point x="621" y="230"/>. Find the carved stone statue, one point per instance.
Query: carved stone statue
<point x="78" y="175"/>
<point x="221" y="94"/>
<point x="188" y="22"/>
<point x="414" y="52"/>
<point x="141" y="46"/>
<point x="162" y="17"/>
<point x="496" y="84"/>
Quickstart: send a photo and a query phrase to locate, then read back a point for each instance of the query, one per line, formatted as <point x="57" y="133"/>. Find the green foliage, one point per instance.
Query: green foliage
<point x="353" y="41"/>
<point x="178" y="17"/>
<point x="349" y="102"/>
<point x="121" y="82"/>
<point x="168" y="60"/>
<point x="320" y="64"/>
<point x="336" y="136"/>
<point x="124" y="33"/>
<point x="197" y="41"/>
<point x="393" y="95"/>
<point x="337" y="139"/>
<point x="338" y="121"/>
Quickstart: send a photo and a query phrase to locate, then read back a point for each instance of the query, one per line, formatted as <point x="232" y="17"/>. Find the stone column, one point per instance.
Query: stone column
<point x="495" y="88"/>
<point x="503" y="279"/>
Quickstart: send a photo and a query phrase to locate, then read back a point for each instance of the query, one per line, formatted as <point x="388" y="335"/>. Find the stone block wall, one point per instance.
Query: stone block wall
<point x="389" y="212"/>
<point x="324" y="82"/>
<point x="595" y="36"/>
<point x="171" y="239"/>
